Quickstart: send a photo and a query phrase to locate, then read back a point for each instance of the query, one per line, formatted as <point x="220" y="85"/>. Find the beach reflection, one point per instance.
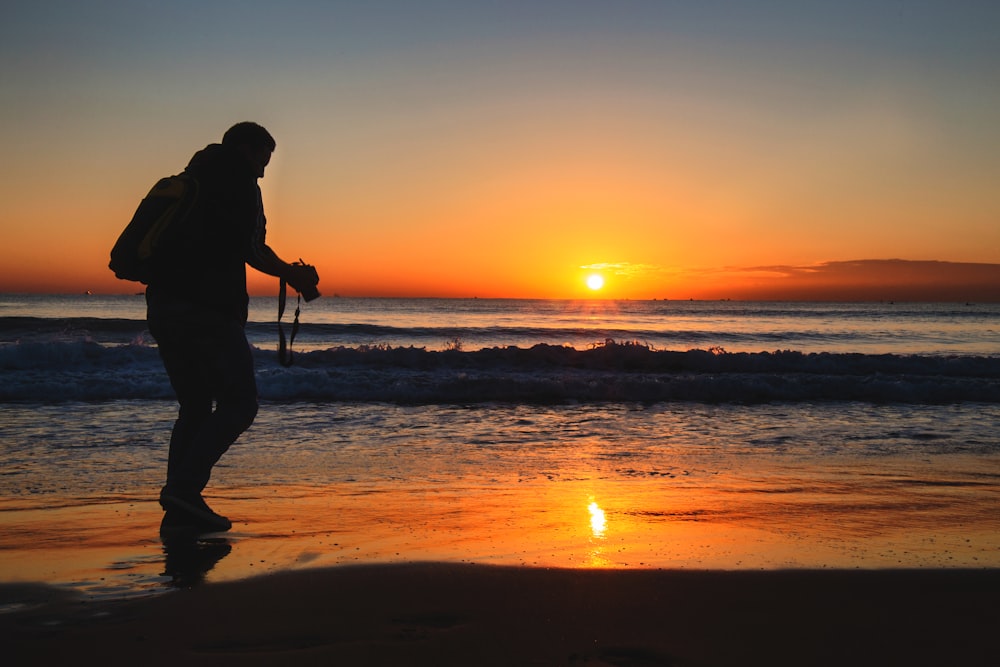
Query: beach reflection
<point x="598" y="531"/>
<point x="598" y="522"/>
<point x="189" y="556"/>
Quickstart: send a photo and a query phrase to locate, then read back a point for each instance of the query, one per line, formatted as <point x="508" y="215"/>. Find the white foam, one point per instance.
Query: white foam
<point x="61" y="370"/>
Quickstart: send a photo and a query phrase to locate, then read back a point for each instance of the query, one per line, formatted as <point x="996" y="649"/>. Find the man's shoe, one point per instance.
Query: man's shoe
<point x="194" y="508"/>
<point x="176" y="523"/>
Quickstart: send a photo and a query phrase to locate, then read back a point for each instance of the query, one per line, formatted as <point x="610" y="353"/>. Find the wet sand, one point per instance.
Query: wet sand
<point x="110" y="547"/>
<point x="503" y="574"/>
<point x="453" y="614"/>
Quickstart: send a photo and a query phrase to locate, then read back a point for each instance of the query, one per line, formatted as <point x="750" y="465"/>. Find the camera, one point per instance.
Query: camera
<point x="309" y="293"/>
<point x="306" y="281"/>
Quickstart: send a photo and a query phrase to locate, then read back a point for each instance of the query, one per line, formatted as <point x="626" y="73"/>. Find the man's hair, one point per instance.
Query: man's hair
<point x="248" y="134"/>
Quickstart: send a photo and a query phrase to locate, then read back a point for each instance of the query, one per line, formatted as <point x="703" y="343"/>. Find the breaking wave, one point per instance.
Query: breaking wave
<point x="79" y="369"/>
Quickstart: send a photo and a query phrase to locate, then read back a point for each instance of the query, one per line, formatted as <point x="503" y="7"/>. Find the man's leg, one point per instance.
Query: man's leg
<point x="229" y="364"/>
<point x="183" y="357"/>
<point x="205" y="359"/>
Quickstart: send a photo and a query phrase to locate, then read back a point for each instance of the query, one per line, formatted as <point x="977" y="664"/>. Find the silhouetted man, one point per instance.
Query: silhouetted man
<point x="197" y="310"/>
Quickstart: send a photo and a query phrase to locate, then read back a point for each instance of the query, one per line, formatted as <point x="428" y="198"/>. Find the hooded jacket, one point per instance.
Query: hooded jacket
<point x="228" y="230"/>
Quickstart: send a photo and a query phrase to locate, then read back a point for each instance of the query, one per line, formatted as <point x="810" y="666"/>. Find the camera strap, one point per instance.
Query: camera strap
<point x="285" y="351"/>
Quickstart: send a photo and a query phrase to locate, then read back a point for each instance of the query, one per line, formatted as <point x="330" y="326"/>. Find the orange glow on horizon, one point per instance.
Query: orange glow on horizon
<point x="648" y="230"/>
<point x="848" y="281"/>
<point x="427" y="259"/>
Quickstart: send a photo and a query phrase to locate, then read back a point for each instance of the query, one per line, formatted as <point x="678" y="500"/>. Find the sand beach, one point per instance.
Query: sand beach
<point x="454" y="614"/>
<point x="543" y="587"/>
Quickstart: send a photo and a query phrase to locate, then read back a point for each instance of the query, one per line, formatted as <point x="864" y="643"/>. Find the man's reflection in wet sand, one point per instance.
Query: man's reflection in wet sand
<point x="190" y="555"/>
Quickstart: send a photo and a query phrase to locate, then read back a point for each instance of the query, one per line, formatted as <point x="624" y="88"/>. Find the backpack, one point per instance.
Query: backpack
<point x="159" y="229"/>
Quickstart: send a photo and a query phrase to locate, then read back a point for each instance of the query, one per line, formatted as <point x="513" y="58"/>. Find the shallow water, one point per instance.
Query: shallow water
<point x="599" y="485"/>
<point x="83" y="449"/>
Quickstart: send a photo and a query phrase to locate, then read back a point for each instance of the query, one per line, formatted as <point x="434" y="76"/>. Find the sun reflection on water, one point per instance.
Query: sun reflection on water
<point x="598" y="531"/>
<point x="598" y="523"/>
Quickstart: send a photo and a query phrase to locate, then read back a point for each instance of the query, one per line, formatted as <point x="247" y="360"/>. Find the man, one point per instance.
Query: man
<point x="197" y="311"/>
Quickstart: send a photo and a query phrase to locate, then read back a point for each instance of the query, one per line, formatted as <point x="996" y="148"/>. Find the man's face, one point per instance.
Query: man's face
<point x="258" y="159"/>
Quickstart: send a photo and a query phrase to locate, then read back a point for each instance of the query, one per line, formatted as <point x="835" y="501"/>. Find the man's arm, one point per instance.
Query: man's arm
<point x="299" y="276"/>
<point x="267" y="261"/>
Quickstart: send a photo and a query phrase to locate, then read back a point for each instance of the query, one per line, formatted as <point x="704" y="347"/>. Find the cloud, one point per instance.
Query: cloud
<point x="867" y="279"/>
<point x="625" y="269"/>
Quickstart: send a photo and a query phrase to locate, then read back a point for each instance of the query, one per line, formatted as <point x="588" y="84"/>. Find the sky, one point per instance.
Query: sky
<point x="714" y="149"/>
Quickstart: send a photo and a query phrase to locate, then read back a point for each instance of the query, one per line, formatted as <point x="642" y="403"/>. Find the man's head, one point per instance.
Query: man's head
<point x="253" y="142"/>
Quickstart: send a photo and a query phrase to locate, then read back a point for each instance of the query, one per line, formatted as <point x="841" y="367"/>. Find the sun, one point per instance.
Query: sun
<point x="595" y="281"/>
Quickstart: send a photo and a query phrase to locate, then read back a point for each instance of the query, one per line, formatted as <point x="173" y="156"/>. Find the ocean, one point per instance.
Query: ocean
<point x="432" y="351"/>
<point x="548" y="433"/>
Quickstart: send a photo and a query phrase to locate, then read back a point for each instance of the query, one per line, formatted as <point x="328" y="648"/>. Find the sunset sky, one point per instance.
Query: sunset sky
<point x="511" y="149"/>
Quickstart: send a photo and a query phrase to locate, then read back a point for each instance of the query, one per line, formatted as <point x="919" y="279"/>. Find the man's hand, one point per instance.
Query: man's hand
<point x="303" y="278"/>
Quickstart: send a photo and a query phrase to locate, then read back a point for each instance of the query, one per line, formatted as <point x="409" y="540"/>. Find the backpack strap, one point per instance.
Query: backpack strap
<point x="285" y="352"/>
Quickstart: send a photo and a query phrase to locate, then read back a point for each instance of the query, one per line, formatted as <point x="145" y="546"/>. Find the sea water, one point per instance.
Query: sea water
<point x="705" y="434"/>
<point x="477" y="350"/>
